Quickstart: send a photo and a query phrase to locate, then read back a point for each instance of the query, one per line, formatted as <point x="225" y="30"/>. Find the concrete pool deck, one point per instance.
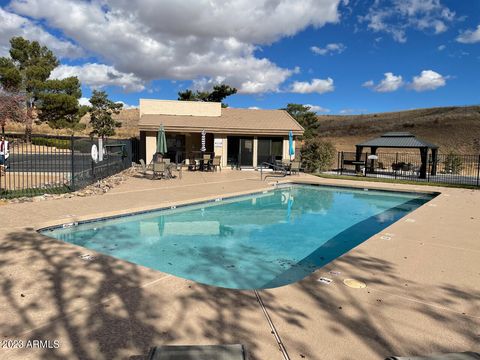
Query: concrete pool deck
<point x="422" y="295"/>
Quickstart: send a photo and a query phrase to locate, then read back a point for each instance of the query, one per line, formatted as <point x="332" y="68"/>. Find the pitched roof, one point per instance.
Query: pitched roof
<point x="398" y="140"/>
<point x="231" y="121"/>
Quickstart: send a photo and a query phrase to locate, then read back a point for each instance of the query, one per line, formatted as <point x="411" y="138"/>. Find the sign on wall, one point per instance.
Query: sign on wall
<point x="218" y="142"/>
<point x="94" y="153"/>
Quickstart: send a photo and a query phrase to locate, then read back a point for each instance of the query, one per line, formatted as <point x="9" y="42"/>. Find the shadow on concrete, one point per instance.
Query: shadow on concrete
<point x="371" y="319"/>
<point x="99" y="310"/>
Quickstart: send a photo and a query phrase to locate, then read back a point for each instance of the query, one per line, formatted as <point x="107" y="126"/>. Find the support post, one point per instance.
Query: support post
<point x="424" y="158"/>
<point x="358" y="157"/>
<point x="434" y="162"/>
<point x="478" y="171"/>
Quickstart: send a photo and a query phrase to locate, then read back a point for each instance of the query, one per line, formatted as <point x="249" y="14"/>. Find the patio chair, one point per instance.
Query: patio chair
<point x="217" y="163"/>
<point x="198" y="352"/>
<point x="295" y="167"/>
<point x="206" y="162"/>
<point x="193" y="164"/>
<point x="159" y="169"/>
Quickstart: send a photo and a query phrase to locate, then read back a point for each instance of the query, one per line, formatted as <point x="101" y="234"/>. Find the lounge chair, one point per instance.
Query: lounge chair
<point x="450" y="356"/>
<point x="145" y="168"/>
<point x="198" y="352"/>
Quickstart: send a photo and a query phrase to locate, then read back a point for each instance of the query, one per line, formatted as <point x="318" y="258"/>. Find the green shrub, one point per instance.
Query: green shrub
<point x="53" y="142"/>
<point x="453" y="163"/>
<point x="317" y="155"/>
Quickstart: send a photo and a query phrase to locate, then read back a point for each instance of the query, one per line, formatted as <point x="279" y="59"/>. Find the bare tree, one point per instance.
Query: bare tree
<point x="12" y="108"/>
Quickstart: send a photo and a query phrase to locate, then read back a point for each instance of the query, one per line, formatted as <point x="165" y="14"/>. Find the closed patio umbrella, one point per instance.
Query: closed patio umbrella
<point x="161" y="141"/>
<point x="203" y="148"/>
<point x="291" y="150"/>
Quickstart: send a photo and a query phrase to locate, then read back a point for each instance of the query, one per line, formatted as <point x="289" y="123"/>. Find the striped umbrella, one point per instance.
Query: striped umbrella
<point x="203" y="148"/>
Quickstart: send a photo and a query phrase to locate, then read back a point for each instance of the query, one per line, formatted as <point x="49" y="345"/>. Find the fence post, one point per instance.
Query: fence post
<point x="365" y="165"/>
<point x="341" y="163"/>
<point x="429" y="167"/>
<point x="478" y="171"/>
<point x="72" y="176"/>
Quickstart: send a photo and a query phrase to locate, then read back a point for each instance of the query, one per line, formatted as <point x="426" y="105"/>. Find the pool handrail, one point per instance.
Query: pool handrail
<point x="275" y="167"/>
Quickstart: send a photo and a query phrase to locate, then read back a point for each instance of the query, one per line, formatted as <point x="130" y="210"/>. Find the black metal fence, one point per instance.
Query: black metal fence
<point x="448" y="169"/>
<point x="58" y="164"/>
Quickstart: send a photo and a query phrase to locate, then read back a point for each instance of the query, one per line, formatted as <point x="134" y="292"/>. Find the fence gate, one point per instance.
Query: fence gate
<point x="58" y="164"/>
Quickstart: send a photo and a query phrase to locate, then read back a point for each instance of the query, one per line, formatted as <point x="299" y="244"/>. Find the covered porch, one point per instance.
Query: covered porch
<point x="239" y="151"/>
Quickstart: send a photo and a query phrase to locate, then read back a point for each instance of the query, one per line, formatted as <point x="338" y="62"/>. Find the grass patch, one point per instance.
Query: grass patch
<point x="395" y="181"/>
<point x="11" y="194"/>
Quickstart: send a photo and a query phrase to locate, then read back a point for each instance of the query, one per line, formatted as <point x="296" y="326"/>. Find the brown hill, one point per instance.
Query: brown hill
<point x="452" y="128"/>
<point x="127" y="117"/>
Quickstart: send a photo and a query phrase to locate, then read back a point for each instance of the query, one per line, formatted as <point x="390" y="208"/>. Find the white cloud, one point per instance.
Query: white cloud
<point x="368" y="84"/>
<point x="126" y="106"/>
<point x="84" y="101"/>
<point x="469" y="36"/>
<point x="352" y="111"/>
<point x="442" y="47"/>
<point x="428" y="80"/>
<point x="329" y="49"/>
<point x="315" y="86"/>
<point x="14" y="25"/>
<point x="318" y="109"/>
<point x="389" y="83"/>
<point x="192" y="40"/>
<point x="98" y="76"/>
<point x="254" y="108"/>
<point x="395" y="17"/>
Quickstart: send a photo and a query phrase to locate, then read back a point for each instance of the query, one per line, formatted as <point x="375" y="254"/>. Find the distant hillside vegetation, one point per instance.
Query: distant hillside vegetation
<point x="452" y="128"/>
<point x="127" y="117"/>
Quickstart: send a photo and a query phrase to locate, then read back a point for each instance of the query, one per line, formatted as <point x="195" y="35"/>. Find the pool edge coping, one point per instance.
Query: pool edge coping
<point x="85" y="219"/>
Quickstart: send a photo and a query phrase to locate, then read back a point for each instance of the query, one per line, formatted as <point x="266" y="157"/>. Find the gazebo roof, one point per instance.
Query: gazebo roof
<point x="398" y="140"/>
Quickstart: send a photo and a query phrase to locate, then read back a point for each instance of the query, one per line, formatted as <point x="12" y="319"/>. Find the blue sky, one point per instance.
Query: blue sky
<point x="341" y="57"/>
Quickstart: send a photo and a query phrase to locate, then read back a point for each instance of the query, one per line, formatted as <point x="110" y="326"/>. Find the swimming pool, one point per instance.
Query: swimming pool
<point x="262" y="240"/>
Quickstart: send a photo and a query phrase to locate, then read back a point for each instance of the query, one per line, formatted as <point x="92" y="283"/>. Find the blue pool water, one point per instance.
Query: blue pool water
<point x="258" y="241"/>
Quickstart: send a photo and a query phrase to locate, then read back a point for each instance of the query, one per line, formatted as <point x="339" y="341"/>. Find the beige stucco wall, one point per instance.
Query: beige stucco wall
<point x="220" y="147"/>
<point x="174" y="107"/>
<point x="255" y="152"/>
<point x="150" y="145"/>
<point x="285" y="155"/>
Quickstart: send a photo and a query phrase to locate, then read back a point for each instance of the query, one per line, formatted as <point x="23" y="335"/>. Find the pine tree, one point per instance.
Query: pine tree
<point x="101" y="113"/>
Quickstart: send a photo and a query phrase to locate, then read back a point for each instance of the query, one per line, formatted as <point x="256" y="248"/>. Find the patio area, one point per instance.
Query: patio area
<point x="422" y="294"/>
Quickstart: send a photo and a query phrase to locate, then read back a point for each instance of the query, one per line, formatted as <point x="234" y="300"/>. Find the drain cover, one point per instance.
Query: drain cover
<point x="354" y="283"/>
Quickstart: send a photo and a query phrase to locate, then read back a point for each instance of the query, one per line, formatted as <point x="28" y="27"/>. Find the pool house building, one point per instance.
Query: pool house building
<point x="243" y="138"/>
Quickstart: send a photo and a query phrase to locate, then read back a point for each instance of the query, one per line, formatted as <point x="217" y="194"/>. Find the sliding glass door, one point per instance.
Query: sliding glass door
<point x="239" y="151"/>
<point x="269" y="149"/>
<point x="246" y="152"/>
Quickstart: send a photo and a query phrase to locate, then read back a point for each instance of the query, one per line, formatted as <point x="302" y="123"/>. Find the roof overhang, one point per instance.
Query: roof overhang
<point x="213" y="130"/>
